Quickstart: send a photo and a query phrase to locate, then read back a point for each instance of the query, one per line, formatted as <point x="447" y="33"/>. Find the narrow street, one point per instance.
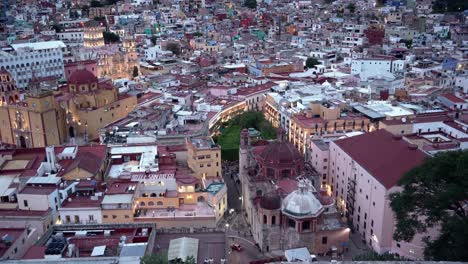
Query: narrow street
<point x="235" y="223"/>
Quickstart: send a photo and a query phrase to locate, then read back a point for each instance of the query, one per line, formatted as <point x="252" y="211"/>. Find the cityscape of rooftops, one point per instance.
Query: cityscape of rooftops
<point x="233" y="131"/>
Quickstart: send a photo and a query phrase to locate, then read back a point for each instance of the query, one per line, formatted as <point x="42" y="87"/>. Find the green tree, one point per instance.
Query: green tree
<point x="154" y="38"/>
<point x="95" y="3"/>
<point x="444" y="6"/>
<point x="154" y="259"/>
<point x="100" y="19"/>
<point x="174" y="48"/>
<point x="351" y="7"/>
<point x="111" y="2"/>
<point x="229" y="139"/>
<point x="110" y="37"/>
<point x="252" y="4"/>
<point x="190" y="260"/>
<point x="433" y="195"/>
<point x="311" y="62"/>
<point x="57" y="27"/>
<point x="408" y="42"/>
<point x="135" y="72"/>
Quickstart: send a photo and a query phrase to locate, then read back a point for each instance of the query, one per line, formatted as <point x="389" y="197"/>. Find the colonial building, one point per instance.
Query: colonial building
<point x="205" y="157"/>
<point x="45" y="118"/>
<point x="93" y="36"/>
<point x="282" y="205"/>
<point x="361" y="175"/>
<point x="91" y="105"/>
<point x="150" y="184"/>
<point x="321" y="119"/>
<point x="26" y="60"/>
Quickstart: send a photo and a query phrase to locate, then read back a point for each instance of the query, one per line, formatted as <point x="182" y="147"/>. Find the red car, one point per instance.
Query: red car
<point x="236" y="247"/>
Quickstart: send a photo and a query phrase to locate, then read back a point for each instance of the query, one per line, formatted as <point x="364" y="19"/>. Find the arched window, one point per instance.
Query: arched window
<point x="144" y="195"/>
<point x="142" y="204"/>
<point x="159" y="203"/>
<point x="273" y="220"/>
<point x="150" y="203"/>
<point x="201" y="199"/>
<point x="153" y="195"/>
<point x="259" y="193"/>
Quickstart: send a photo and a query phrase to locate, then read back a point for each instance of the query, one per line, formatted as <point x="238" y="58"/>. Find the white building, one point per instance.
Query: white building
<point x="43" y="59"/>
<point x="366" y="68"/>
<point x="72" y="38"/>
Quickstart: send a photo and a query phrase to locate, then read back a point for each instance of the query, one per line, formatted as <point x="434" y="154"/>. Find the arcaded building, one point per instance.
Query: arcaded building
<point x="283" y="208"/>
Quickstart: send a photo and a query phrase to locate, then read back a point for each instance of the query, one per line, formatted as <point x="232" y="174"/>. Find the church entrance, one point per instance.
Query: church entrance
<point x="71" y="132"/>
<point x="22" y="142"/>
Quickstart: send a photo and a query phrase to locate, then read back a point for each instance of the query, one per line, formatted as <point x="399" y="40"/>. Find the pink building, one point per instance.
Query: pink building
<point x="362" y="171"/>
<point x="319" y="154"/>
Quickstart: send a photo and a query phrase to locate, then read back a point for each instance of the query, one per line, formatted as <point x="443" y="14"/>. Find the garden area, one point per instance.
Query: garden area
<point x="229" y="139"/>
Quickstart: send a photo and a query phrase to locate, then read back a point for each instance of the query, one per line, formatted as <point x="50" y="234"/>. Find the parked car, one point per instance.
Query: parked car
<point x="236" y="247"/>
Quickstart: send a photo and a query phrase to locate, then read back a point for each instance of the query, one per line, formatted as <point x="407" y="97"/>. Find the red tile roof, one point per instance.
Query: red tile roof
<point x="35" y="252"/>
<point x="453" y="98"/>
<point x="89" y="158"/>
<point x="14" y="233"/>
<point x="22" y="213"/>
<point x="82" y="202"/>
<point x="386" y="157"/>
<point x="38" y="190"/>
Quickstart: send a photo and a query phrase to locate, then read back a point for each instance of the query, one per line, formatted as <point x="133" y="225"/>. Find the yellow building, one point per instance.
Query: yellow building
<point x="45" y="118"/>
<point x="91" y="105"/>
<point x="33" y="122"/>
<point x="322" y="119"/>
<point x="93" y="34"/>
<point x="204" y="157"/>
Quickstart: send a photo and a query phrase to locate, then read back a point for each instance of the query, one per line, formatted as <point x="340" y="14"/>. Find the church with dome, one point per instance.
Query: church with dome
<point x="284" y="210"/>
<point x="73" y="113"/>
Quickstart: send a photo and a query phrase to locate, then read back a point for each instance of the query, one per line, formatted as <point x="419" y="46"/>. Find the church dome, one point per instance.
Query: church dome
<point x="271" y="201"/>
<point x="82" y="76"/>
<point x="281" y="153"/>
<point x="302" y="203"/>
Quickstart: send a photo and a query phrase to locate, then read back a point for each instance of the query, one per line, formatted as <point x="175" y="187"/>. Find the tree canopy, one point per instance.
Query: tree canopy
<point x="229" y="139"/>
<point x="311" y="62"/>
<point x="174" y="48"/>
<point x="434" y="194"/>
<point x="351" y="7"/>
<point x="95" y="3"/>
<point x="251" y="4"/>
<point x="444" y="6"/>
<point x="408" y="42"/>
<point x="110" y="37"/>
<point x="154" y="259"/>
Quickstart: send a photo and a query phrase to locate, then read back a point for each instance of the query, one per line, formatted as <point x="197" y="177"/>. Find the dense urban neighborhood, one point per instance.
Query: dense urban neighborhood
<point x="233" y="131"/>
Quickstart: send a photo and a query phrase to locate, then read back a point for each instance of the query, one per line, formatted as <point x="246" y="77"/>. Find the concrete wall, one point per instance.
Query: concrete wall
<point x="178" y="223"/>
<point x="83" y="214"/>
